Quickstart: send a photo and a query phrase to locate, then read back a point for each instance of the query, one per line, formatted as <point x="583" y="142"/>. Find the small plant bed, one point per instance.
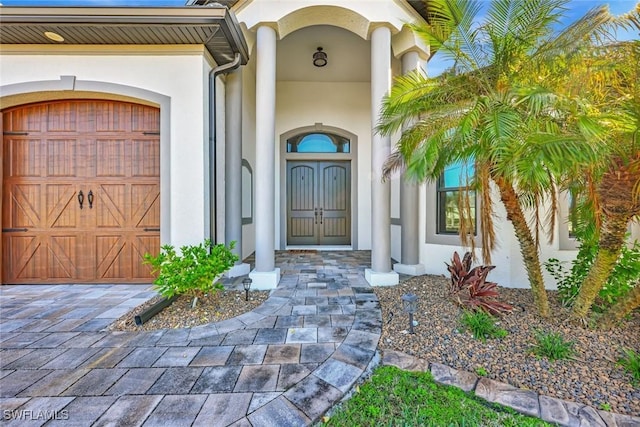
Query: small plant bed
<point x="392" y="397"/>
<point x="210" y="308"/>
<point x="481" y="325"/>
<point x="553" y="346"/>
<point x="192" y="276"/>
<point x="631" y="363"/>
<point x="593" y="374"/>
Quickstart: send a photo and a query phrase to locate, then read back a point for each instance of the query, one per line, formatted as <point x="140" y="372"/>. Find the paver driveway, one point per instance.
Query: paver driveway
<point x="283" y="364"/>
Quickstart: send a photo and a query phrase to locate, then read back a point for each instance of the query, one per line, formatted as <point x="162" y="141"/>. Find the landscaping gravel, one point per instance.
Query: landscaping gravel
<point x="209" y="308"/>
<point x="591" y="377"/>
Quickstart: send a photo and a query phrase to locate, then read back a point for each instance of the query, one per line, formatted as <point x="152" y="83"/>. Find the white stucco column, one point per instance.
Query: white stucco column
<point x="380" y="273"/>
<point x="233" y="169"/>
<point x="409" y="248"/>
<point x="265" y="275"/>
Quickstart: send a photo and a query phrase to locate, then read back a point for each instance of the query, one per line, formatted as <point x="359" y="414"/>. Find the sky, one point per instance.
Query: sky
<point x="576" y="8"/>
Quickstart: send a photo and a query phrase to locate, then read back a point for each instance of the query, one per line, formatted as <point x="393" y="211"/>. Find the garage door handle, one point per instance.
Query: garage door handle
<point x="150" y="229"/>
<point x="90" y="199"/>
<point x="9" y="230"/>
<point x="80" y="198"/>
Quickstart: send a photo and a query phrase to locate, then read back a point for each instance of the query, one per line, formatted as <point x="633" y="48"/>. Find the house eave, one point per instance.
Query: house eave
<point x="215" y="27"/>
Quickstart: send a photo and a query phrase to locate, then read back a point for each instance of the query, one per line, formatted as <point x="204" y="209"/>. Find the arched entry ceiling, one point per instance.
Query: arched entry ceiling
<point x="349" y="56"/>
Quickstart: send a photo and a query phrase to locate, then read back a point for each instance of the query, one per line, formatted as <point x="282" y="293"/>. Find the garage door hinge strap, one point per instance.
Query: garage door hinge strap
<point x="9" y="230"/>
<point x="15" y="133"/>
<point x="151" y="133"/>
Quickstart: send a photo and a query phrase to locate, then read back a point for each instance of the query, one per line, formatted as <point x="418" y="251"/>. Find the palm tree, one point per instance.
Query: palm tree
<point x="494" y="109"/>
<point x="616" y="176"/>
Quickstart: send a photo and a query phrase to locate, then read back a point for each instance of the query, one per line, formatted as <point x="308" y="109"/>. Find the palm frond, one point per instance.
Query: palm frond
<point x="487" y="227"/>
<point x="629" y="20"/>
<point x="453" y="31"/>
<point x="552" y="213"/>
<point x="516" y="28"/>
<point x="416" y="96"/>
<point x="394" y="163"/>
<point x="591" y="29"/>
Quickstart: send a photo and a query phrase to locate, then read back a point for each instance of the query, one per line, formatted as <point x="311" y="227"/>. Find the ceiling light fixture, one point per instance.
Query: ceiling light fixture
<point x="53" y="36"/>
<point x="319" y="58"/>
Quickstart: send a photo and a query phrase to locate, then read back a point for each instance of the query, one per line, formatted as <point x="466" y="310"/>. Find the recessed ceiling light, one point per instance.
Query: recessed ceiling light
<point x="53" y="36"/>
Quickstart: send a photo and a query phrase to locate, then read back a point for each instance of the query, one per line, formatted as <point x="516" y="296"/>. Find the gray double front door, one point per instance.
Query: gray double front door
<point x="318" y="202"/>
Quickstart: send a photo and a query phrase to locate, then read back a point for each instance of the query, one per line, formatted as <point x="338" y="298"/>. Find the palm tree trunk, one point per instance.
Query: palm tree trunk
<point x="624" y="306"/>
<point x="612" y="237"/>
<point x="528" y="247"/>
<point x="619" y="205"/>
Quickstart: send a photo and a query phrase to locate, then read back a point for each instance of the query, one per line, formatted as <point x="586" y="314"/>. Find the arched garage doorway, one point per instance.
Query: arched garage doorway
<point x="81" y="192"/>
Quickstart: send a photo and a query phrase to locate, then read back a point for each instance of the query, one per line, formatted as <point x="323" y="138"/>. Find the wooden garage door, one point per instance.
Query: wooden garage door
<point x="56" y="155"/>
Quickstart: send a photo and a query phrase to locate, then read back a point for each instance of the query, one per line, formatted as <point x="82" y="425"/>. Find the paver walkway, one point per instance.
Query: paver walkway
<point x="283" y="364"/>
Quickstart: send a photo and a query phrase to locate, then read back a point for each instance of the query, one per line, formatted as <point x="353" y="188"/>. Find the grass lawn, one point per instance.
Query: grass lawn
<point x="392" y="397"/>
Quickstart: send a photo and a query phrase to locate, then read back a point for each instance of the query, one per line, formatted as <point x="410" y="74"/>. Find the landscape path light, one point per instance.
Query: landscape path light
<point x="410" y="305"/>
<point x="246" y="284"/>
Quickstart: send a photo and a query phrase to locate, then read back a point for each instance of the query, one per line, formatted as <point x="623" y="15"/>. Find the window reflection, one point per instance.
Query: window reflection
<point x="452" y="185"/>
<point x="318" y="143"/>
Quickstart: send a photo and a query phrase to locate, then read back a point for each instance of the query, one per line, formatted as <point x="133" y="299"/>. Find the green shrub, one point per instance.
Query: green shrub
<point x="481" y="325"/>
<point x="631" y="363"/>
<point x="623" y="278"/>
<point x="195" y="269"/>
<point x="481" y="371"/>
<point x="552" y="346"/>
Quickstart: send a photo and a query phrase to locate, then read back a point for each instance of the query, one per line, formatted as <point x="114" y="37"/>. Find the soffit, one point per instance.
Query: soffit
<point x="419" y="6"/>
<point x="212" y="26"/>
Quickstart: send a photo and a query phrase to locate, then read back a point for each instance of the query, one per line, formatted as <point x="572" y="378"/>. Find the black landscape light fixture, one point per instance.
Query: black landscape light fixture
<point x="246" y="284"/>
<point x="410" y="305"/>
<point x="319" y="58"/>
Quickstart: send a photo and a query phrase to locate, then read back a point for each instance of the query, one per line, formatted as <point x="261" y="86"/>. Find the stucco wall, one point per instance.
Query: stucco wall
<point x="509" y="271"/>
<point x="177" y="75"/>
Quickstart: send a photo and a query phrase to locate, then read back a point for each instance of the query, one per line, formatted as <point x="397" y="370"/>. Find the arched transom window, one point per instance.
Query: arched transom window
<point x="318" y="143"/>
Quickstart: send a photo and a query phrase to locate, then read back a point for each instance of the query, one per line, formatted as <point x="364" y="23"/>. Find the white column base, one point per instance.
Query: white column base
<point x="238" y="270"/>
<point x="381" y="279"/>
<point x="265" y="280"/>
<point x="409" y="269"/>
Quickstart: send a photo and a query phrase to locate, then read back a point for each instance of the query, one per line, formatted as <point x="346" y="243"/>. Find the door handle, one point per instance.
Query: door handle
<point x="90" y="199"/>
<point x="320" y="215"/>
<point x="315" y="214"/>
<point x="80" y="198"/>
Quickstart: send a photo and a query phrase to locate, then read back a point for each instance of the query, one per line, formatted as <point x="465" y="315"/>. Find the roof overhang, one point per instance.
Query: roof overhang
<point x="213" y="26"/>
<point x="419" y="6"/>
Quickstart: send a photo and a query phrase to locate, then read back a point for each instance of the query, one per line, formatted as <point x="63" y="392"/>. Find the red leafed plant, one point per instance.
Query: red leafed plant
<point x="470" y="289"/>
